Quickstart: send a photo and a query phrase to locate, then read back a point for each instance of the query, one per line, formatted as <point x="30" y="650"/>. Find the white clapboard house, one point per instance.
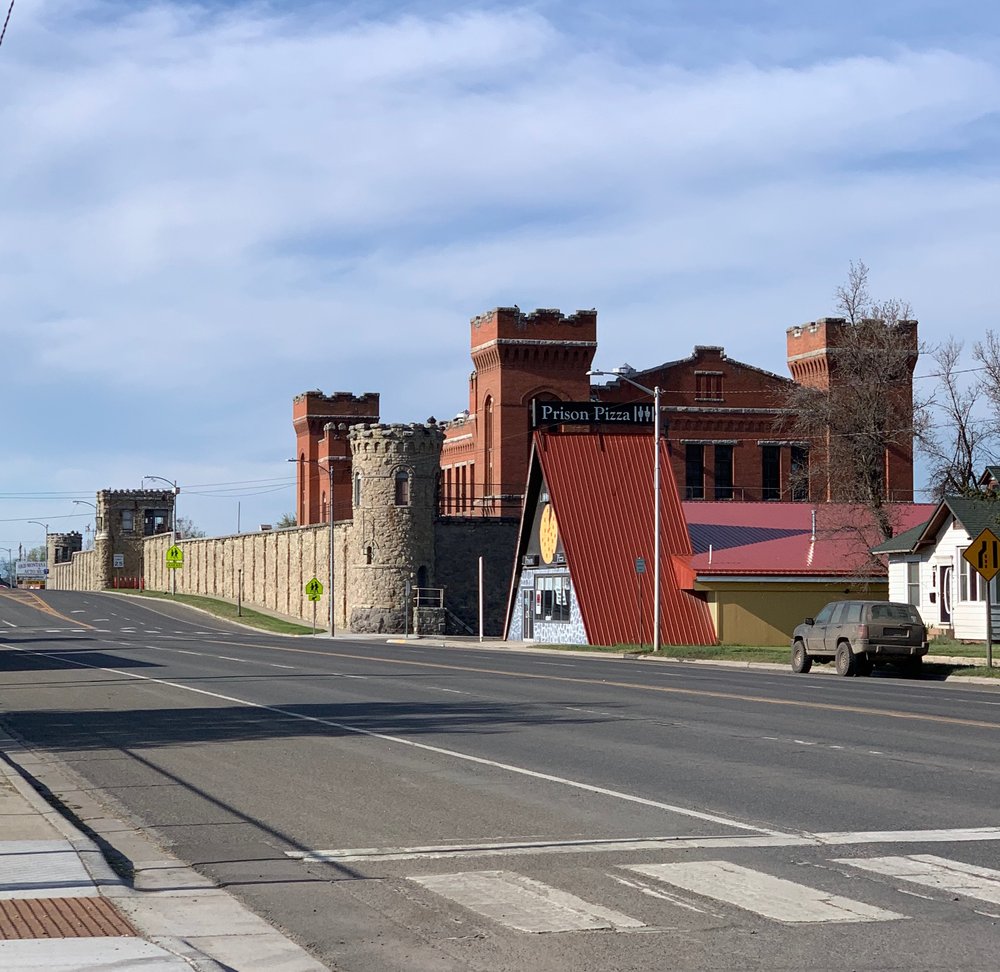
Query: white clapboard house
<point x="926" y="566"/>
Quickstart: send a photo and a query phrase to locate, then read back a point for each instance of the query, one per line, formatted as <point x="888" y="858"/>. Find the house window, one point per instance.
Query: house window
<point x="552" y="598"/>
<point x="694" y="471"/>
<point x="971" y="587"/>
<point x="128" y="521"/>
<point x="723" y="472"/>
<point x="913" y="582"/>
<point x="402" y="487"/>
<point x="708" y="386"/>
<point x="770" y="472"/>
<point x="799" y="476"/>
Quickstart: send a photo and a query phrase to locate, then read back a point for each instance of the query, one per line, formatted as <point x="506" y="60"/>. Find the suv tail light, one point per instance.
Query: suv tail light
<point x="863" y="632"/>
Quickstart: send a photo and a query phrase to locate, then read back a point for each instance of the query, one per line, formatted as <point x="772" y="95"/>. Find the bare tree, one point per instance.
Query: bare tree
<point x="963" y="437"/>
<point x="867" y="411"/>
<point x="187" y="529"/>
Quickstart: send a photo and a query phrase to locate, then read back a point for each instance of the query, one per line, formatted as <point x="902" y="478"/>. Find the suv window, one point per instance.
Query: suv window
<point x="824" y="615"/>
<point x="853" y="615"/>
<point x="838" y="613"/>
<point x="896" y="612"/>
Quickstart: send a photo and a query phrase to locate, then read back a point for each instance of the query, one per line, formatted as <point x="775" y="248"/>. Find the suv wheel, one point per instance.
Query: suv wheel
<point x="912" y="665"/>
<point x="845" y="660"/>
<point x="864" y="665"/>
<point x="801" y="662"/>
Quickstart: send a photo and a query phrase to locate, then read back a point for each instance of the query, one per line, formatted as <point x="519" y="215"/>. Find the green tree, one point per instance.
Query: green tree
<point x="286" y="520"/>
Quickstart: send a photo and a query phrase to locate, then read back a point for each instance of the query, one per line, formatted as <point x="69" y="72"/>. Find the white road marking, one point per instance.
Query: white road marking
<point x="440" y="750"/>
<point x="960" y="834"/>
<point x="101" y="619"/>
<point x="276" y="665"/>
<point x="521" y="903"/>
<point x="10" y="624"/>
<point x="926" y="870"/>
<point x="652" y="892"/>
<point x="77" y="611"/>
<point x="519" y="848"/>
<point x="763" y="894"/>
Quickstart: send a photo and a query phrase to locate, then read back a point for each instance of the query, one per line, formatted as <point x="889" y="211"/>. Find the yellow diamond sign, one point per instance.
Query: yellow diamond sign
<point x="984" y="554"/>
<point x="175" y="557"/>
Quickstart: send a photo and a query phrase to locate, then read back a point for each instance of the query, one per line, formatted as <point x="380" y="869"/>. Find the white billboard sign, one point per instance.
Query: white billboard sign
<point x="32" y="568"/>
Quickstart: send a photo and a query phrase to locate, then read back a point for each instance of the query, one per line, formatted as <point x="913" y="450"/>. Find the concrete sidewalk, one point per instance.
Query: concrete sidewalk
<point x="63" y="909"/>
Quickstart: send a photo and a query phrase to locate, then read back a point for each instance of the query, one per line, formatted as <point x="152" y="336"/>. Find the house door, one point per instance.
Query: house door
<point x="944" y="594"/>
<point x="528" y="615"/>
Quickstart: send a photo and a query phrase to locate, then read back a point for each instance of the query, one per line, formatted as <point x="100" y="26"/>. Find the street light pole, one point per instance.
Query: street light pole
<point x="655" y="392"/>
<point x="329" y="503"/>
<point x="173" y="485"/>
<point x="45" y="527"/>
<point x="10" y="567"/>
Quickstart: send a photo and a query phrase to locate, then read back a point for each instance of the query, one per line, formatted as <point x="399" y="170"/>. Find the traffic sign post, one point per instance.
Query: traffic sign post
<point x="984" y="556"/>
<point x="174" y="561"/>
<point x="314" y="591"/>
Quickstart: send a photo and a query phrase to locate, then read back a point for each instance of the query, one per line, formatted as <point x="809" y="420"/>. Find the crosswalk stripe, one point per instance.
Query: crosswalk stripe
<point x="522" y="903"/>
<point x="929" y="871"/>
<point x="761" y="893"/>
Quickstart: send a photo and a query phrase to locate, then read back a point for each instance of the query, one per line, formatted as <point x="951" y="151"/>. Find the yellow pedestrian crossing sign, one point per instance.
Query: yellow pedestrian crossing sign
<point x="175" y="557"/>
<point x="314" y="590"/>
<point x="984" y="554"/>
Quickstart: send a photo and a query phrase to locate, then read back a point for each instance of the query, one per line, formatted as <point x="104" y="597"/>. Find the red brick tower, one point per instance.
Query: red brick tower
<point x="321" y="436"/>
<point x="517" y="357"/>
<point x="811" y="365"/>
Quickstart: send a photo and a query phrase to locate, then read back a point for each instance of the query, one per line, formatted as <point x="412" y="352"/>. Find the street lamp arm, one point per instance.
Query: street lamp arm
<point x="623" y="377"/>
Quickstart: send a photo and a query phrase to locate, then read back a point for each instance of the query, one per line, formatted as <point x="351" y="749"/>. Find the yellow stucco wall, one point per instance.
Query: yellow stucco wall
<point x="765" y="614"/>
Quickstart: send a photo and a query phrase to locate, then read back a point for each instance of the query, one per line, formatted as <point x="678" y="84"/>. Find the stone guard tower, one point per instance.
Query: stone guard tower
<point x="62" y="546"/>
<point x="391" y="539"/>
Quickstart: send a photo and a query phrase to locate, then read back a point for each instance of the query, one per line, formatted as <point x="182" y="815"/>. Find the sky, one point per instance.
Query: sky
<point x="208" y="208"/>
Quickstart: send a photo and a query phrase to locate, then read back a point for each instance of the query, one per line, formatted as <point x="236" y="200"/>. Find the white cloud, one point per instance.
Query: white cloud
<point x="206" y="208"/>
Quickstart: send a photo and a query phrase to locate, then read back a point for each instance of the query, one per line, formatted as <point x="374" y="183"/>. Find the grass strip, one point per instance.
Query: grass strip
<point x="226" y="610"/>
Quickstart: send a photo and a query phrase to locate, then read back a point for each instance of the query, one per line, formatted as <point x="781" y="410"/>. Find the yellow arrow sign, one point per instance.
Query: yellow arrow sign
<point x="314" y="590"/>
<point x="175" y="557"/>
<point x="984" y="554"/>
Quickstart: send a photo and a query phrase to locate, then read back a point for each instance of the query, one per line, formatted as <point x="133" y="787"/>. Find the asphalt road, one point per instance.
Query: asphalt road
<point x="402" y="807"/>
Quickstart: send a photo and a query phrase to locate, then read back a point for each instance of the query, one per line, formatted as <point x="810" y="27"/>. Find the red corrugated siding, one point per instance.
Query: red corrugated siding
<point x="601" y="487"/>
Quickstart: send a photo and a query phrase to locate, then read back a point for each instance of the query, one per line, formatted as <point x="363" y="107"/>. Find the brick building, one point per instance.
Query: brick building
<point x="721" y="418"/>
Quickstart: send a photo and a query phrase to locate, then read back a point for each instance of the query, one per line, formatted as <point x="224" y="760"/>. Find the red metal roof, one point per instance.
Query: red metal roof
<point x="778" y="538"/>
<point x="601" y="488"/>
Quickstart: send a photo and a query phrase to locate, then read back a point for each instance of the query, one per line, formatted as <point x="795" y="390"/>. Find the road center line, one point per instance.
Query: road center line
<point x="425" y="747"/>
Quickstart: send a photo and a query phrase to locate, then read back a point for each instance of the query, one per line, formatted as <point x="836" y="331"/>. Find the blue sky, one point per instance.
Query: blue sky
<point x="209" y="208"/>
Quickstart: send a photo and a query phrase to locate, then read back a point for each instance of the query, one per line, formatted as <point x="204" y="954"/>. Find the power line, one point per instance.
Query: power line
<point x="10" y="10"/>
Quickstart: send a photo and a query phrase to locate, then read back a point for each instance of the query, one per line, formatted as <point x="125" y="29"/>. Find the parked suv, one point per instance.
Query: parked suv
<point x="859" y="634"/>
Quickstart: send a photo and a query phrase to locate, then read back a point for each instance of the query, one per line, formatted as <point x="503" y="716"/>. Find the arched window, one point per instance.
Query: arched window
<point x="357" y="489"/>
<point x="369" y="554"/>
<point x="488" y="448"/>
<point x="402" y="487"/>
